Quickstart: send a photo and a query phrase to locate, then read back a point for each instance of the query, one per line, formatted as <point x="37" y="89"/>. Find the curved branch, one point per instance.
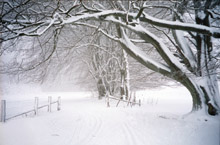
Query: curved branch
<point x="135" y="52"/>
<point x="181" y="26"/>
<point x="149" y="19"/>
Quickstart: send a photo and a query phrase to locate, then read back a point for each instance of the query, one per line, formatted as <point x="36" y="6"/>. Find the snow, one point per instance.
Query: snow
<point x="137" y="51"/>
<point x="85" y="120"/>
<point x="161" y="47"/>
<point x="184" y="46"/>
<point x="148" y="36"/>
<point x="201" y="14"/>
<point x="105" y="14"/>
<point x="181" y="26"/>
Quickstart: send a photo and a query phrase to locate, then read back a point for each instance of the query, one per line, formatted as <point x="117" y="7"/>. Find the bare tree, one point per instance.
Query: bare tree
<point x="108" y="64"/>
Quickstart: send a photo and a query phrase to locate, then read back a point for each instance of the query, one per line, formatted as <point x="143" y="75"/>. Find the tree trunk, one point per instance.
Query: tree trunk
<point x="204" y="96"/>
<point x="206" y="64"/>
<point x="203" y="84"/>
<point x="101" y="89"/>
<point x="127" y="75"/>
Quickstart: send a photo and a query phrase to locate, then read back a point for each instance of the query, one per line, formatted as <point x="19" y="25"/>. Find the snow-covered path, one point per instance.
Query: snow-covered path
<point x="87" y="121"/>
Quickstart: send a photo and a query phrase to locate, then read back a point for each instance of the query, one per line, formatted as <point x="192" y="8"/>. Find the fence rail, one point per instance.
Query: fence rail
<point x="119" y="99"/>
<point x="35" y="109"/>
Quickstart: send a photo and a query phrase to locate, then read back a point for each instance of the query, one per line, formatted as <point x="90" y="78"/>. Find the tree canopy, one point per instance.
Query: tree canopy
<point x="182" y="32"/>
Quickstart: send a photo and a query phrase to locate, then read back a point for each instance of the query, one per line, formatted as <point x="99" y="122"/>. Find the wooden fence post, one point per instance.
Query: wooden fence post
<point x="49" y="103"/>
<point x="3" y="110"/>
<point x="36" y="105"/>
<point x="129" y="100"/>
<point x="139" y="102"/>
<point x="58" y="103"/>
<point x="108" y="103"/>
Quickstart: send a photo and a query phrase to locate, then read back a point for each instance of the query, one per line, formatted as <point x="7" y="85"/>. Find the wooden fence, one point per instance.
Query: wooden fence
<point x="35" y="109"/>
<point x="129" y="102"/>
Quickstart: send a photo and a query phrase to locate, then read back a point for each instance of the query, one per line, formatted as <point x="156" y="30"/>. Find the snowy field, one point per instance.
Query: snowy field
<point x="85" y="120"/>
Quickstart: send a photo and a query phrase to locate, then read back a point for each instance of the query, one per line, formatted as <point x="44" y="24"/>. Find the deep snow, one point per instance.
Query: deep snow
<point x="85" y="120"/>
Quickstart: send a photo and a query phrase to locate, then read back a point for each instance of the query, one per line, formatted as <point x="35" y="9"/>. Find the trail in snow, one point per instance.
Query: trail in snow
<point x="87" y="121"/>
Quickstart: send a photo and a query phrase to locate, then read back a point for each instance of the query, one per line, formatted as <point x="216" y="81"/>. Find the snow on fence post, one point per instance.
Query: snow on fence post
<point x="3" y="110"/>
<point x="58" y="103"/>
<point x="49" y="103"/>
<point x="108" y="103"/>
<point x="139" y="102"/>
<point x="134" y="99"/>
<point x="36" y="105"/>
<point x="129" y="100"/>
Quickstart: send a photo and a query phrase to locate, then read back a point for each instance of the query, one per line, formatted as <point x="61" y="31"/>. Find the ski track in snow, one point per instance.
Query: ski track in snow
<point x="130" y="135"/>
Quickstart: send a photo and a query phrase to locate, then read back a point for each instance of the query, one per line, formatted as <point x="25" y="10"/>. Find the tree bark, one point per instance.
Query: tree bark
<point x="206" y="64"/>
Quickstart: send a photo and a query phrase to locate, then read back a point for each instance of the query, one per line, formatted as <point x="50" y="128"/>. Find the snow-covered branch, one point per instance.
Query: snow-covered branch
<point x="142" y="57"/>
<point x="153" y="39"/>
<point x="181" y="26"/>
<point x="185" y="50"/>
<point x="94" y="14"/>
<point x="147" y="18"/>
<point x="134" y="50"/>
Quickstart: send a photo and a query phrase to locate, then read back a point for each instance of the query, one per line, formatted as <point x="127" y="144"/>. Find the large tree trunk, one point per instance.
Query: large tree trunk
<point x="125" y="77"/>
<point x="202" y="84"/>
<point x="204" y="94"/>
<point x="206" y="66"/>
<point x="101" y="89"/>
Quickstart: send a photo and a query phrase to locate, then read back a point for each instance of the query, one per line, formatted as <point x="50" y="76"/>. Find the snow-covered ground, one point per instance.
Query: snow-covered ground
<point x="85" y="120"/>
